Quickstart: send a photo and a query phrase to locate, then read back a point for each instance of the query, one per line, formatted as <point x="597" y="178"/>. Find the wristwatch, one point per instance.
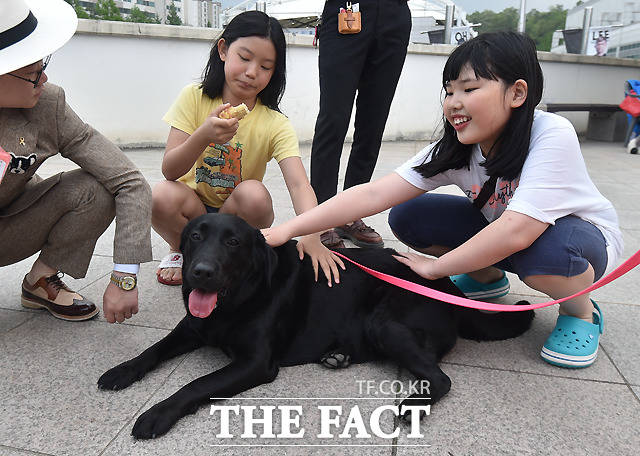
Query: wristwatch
<point x="127" y="283"/>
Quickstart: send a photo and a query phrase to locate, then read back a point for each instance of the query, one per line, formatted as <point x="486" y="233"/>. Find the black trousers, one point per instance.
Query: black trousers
<point x="369" y="62"/>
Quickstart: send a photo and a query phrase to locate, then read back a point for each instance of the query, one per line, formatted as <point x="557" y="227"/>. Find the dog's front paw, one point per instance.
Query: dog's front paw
<point x="155" y="422"/>
<point x="415" y="400"/>
<point x="121" y="376"/>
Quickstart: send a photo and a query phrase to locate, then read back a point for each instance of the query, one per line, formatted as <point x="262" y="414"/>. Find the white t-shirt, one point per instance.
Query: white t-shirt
<point x="554" y="182"/>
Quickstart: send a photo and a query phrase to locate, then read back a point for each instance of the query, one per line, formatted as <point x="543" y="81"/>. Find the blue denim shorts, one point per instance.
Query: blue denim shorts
<point x="211" y="209"/>
<point x="564" y="249"/>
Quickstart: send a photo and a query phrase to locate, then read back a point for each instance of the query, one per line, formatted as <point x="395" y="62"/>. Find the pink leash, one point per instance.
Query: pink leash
<point x="446" y="297"/>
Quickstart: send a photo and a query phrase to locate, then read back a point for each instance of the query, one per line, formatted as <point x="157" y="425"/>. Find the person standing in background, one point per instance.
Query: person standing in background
<point x="369" y="62"/>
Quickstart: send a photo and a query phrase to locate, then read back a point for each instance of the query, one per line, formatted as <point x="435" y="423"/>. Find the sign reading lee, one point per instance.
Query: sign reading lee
<point x="598" y="40"/>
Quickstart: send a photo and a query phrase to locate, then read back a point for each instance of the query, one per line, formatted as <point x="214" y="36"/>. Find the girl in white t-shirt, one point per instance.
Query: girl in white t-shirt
<point x="544" y="219"/>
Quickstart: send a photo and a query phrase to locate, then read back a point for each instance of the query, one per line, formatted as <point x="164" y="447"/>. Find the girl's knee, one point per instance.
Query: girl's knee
<point x="166" y="198"/>
<point x="396" y="216"/>
<point x="252" y="197"/>
<point x="400" y="218"/>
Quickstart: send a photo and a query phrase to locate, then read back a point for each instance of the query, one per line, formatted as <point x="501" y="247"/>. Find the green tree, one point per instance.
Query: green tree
<point x="80" y="12"/>
<point x="491" y="21"/>
<point x="172" y="17"/>
<point x="137" y="15"/>
<point x="107" y="10"/>
<point x="541" y="25"/>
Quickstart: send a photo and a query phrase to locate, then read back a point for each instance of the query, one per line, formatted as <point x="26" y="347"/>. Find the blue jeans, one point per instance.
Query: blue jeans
<point x="564" y="249"/>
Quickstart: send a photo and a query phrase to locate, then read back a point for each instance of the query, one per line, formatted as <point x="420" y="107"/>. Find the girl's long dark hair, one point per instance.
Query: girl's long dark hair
<point x="249" y="23"/>
<point x="500" y="56"/>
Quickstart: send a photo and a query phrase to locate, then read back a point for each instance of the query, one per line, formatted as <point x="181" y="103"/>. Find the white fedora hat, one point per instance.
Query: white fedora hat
<point x="33" y="29"/>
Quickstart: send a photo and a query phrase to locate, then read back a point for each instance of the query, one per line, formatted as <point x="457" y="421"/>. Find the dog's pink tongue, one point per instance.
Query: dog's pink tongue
<point x="201" y="304"/>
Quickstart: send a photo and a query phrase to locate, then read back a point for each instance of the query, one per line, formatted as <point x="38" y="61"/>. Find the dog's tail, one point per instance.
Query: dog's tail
<point x="476" y="325"/>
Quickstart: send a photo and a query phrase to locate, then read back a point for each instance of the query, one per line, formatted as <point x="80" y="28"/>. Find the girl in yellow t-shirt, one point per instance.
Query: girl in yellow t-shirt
<point x="217" y="165"/>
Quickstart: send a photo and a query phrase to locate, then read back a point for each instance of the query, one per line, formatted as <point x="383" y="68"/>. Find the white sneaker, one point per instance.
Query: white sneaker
<point x="632" y="147"/>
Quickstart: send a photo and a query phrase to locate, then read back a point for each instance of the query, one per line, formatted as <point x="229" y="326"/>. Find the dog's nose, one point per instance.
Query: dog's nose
<point x="203" y="271"/>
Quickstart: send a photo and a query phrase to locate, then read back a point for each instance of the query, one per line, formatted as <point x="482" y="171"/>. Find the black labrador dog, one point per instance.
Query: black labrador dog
<point x="263" y="308"/>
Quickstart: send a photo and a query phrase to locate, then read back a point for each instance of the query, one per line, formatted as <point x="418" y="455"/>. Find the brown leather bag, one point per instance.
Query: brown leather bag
<point x="349" y="22"/>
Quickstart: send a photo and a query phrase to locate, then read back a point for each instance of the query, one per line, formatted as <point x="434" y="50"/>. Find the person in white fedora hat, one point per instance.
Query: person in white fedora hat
<point x="63" y="216"/>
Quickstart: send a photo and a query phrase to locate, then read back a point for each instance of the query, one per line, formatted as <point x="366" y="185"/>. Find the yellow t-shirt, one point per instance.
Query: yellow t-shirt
<point x="262" y="135"/>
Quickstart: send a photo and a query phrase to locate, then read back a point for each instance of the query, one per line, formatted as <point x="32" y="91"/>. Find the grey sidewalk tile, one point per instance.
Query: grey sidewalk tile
<point x="282" y="214"/>
<point x="48" y="384"/>
<point x="622" y="201"/>
<point x="522" y="354"/>
<point x="629" y="220"/>
<point x="10" y="319"/>
<point x="621" y="190"/>
<point x="507" y="413"/>
<point x="516" y="418"/>
<point x="620" y="339"/>
<point x="146" y="159"/>
<point x="196" y="434"/>
<point x="625" y="289"/>
<point x="280" y="196"/>
<point x="12" y="276"/>
<point x="10" y="451"/>
<point x="614" y="176"/>
<point x="159" y="306"/>
<point x="160" y="249"/>
<point x="104" y="245"/>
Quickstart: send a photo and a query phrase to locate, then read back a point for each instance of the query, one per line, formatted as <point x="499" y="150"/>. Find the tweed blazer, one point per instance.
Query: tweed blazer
<point x="52" y="127"/>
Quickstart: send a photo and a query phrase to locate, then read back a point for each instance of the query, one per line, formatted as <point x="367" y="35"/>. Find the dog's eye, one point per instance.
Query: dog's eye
<point x="233" y="242"/>
<point x="195" y="236"/>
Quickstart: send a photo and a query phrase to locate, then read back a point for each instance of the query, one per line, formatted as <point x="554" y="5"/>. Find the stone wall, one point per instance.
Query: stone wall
<point x="122" y="78"/>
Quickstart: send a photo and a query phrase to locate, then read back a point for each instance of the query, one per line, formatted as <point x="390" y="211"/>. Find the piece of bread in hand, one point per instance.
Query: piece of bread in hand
<point x="235" y="111"/>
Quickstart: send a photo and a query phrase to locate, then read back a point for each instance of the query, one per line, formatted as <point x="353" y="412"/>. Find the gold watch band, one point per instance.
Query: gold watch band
<point x="126" y="282"/>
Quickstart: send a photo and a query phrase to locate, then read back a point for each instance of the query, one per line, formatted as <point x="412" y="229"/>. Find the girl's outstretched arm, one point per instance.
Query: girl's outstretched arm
<point x="352" y="204"/>
<point x="503" y="237"/>
<point x="304" y="198"/>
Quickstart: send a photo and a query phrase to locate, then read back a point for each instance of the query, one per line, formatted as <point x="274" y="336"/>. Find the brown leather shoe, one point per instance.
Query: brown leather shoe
<point x="52" y="294"/>
<point x="360" y="234"/>
<point x="331" y="240"/>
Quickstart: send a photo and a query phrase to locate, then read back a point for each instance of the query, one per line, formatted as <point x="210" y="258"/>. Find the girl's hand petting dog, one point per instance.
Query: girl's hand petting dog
<point x="421" y="265"/>
<point x="320" y="256"/>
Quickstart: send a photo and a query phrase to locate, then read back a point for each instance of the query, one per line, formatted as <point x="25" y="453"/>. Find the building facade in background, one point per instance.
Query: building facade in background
<point x="194" y="13"/>
<point x="620" y="17"/>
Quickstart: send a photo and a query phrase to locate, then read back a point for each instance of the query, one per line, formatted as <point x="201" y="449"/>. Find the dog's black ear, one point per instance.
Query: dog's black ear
<point x="184" y="238"/>
<point x="268" y="259"/>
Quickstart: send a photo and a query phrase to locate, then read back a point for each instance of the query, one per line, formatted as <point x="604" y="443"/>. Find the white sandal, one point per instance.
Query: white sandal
<point x="173" y="260"/>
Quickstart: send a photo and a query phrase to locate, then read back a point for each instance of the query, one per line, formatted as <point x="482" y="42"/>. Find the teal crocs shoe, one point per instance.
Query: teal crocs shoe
<point x="477" y="290"/>
<point x="574" y="342"/>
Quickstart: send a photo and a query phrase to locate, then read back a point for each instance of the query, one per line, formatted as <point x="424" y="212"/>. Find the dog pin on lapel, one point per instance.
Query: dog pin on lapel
<point x="5" y="160"/>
